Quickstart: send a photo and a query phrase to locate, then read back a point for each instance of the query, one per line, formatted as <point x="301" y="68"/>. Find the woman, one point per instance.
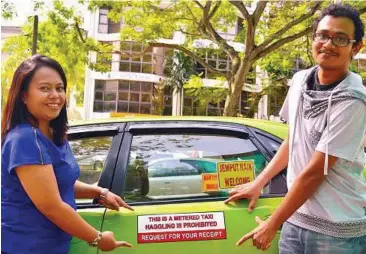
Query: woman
<point x="38" y="170"/>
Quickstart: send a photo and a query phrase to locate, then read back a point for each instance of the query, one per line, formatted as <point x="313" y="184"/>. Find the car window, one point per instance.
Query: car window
<point x="269" y="141"/>
<point x="170" y="166"/>
<point x="90" y="154"/>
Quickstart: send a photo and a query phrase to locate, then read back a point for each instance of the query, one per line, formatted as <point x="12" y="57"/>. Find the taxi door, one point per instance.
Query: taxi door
<point x="186" y="222"/>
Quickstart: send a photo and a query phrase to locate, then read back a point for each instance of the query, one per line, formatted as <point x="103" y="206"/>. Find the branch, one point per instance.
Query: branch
<point x="194" y="17"/>
<point x="78" y="30"/>
<point x="214" y="10"/>
<point x="211" y="32"/>
<point x="261" y="5"/>
<point x="281" y="42"/>
<point x="220" y="41"/>
<point x="283" y="30"/>
<point x="241" y="7"/>
<point x="194" y="35"/>
<point x="189" y="53"/>
<point x="199" y="4"/>
<point x="249" y="41"/>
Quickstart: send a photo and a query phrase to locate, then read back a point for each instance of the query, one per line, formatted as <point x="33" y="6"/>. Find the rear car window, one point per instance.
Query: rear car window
<point x="167" y="166"/>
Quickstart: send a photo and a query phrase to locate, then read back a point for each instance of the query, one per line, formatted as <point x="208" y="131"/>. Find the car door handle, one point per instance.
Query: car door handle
<point x="167" y="182"/>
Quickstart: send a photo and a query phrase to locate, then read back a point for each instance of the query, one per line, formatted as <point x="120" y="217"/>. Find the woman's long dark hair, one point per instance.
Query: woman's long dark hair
<point x="16" y="112"/>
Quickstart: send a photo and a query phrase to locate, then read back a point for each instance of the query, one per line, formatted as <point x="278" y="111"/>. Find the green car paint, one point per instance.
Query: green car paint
<point x="237" y="223"/>
<point x="237" y="220"/>
<point x="277" y="129"/>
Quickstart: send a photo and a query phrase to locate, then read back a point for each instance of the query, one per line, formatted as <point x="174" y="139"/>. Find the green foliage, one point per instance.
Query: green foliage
<point x="59" y="38"/>
<point x="282" y="63"/>
<point x="202" y="95"/>
<point x="149" y="21"/>
<point x="17" y="48"/>
<point x="179" y="69"/>
<point x="8" y="10"/>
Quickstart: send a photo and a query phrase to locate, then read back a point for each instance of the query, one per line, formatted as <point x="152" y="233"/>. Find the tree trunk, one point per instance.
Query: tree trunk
<point x="235" y="88"/>
<point x="232" y="99"/>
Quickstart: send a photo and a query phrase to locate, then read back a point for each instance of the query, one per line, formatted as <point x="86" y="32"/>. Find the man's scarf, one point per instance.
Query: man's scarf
<point x="316" y="102"/>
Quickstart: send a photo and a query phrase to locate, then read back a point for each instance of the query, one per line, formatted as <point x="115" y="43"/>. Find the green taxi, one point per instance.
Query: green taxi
<point x="176" y="172"/>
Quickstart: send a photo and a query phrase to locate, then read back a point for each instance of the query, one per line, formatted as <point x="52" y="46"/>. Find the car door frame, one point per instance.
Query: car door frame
<point x="166" y="127"/>
<point x="280" y="179"/>
<point x="115" y="130"/>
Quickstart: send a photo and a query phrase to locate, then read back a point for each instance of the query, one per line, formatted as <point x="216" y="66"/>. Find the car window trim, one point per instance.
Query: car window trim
<point x="168" y="126"/>
<point x="280" y="178"/>
<point x="169" y="201"/>
<point x="254" y="131"/>
<point x="86" y="131"/>
<point x="138" y="128"/>
<point x="119" y="177"/>
<point x="106" y="177"/>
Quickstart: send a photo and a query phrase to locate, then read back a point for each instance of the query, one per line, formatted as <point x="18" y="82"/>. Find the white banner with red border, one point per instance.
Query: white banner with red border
<point x="159" y="228"/>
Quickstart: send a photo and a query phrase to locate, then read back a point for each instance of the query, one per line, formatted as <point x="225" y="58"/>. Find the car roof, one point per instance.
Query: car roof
<point x="275" y="128"/>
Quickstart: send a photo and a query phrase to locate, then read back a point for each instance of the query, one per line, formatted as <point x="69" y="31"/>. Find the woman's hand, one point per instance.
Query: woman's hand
<point x="249" y="191"/>
<point x="262" y="235"/>
<point x="108" y="243"/>
<point x="114" y="202"/>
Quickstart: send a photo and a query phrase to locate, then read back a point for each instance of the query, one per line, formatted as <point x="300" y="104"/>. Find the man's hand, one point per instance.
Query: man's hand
<point x="262" y="235"/>
<point x="249" y="191"/>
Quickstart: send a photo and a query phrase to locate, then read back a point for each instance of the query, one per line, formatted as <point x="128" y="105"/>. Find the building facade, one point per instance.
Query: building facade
<point x="133" y="84"/>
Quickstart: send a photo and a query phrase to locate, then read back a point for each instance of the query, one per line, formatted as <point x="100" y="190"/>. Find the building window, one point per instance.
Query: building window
<point x="106" y="25"/>
<point x="105" y="96"/>
<point x="244" y="103"/>
<point x="123" y="96"/>
<point x="220" y="62"/>
<point x="167" y="103"/>
<point x="130" y="62"/>
<point x="135" y="97"/>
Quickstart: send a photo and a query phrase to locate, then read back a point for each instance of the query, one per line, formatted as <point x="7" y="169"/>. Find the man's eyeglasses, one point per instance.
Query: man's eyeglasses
<point x="340" y="41"/>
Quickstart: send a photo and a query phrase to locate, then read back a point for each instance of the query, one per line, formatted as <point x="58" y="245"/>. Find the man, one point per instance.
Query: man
<point x="324" y="210"/>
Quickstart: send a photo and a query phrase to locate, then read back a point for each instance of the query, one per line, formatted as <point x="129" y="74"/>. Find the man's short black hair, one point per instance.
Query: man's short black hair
<point x="343" y="10"/>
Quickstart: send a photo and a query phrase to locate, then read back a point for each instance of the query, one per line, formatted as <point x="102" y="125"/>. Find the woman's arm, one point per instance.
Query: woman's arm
<point x="40" y="183"/>
<point x="83" y="190"/>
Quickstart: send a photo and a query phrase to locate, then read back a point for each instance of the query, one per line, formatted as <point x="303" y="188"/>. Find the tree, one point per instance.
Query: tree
<point x="179" y="69"/>
<point x="7" y="10"/>
<point x="270" y="26"/>
<point x="60" y="37"/>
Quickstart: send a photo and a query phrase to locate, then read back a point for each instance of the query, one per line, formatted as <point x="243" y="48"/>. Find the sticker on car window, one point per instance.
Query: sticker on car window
<point x="232" y="173"/>
<point x="181" y="227"/>
<point x="209" y="182"/>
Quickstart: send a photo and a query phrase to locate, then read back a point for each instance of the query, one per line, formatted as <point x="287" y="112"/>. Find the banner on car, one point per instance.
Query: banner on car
<point x="232" y="173"/>
<point x="159" y="228"/>
<point x="209" y="182"/>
